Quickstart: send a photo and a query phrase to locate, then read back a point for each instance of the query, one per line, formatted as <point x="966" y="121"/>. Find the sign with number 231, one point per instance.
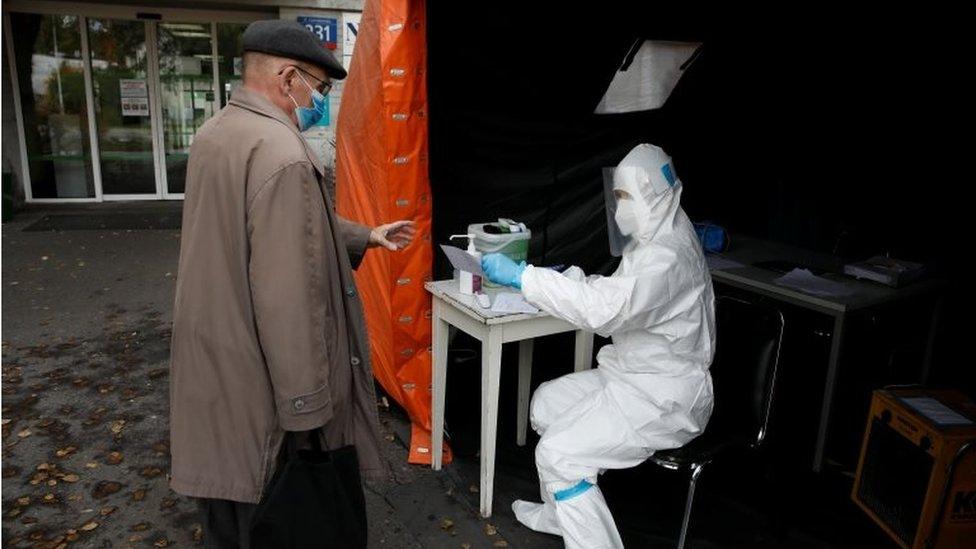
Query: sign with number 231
<point x="325" y="28"/>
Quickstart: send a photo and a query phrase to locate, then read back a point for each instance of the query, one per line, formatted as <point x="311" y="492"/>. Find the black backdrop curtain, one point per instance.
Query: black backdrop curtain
<point x="817" y="127"/>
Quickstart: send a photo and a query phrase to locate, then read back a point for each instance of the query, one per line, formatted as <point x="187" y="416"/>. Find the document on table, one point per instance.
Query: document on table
<point x="462" y="260"/>
<point x="805" y="281"/>
<point x="936" y="411"/>
<point x="509" y="302"/>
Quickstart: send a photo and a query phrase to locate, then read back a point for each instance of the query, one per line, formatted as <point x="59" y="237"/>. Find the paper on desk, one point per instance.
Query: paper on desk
<point x="462" y="261"/>
<point x="509" y="302"/>
<point x="805" y="281"/>
<point x="936" y="411"/>
<point x="718" y="263"/>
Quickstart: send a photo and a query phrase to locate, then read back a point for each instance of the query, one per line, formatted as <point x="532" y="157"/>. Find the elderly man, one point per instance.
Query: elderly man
<point x="268" y="331"/>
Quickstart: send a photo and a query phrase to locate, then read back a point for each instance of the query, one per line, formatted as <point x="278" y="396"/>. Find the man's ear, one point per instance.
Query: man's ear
<point x="286" y="80"/>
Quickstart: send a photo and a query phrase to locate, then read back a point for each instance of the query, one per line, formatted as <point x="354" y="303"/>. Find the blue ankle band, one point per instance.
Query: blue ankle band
<point x="572" y="492"/>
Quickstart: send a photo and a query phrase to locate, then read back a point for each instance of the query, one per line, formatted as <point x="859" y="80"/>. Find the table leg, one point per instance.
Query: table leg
<point x="524" y="381"/>
<point x="584" y="351"/>
<point x="439" y="344"/>
<point x="491" y="366"/>
<point x="930" y="342"/>
<point x="836" y="343"/>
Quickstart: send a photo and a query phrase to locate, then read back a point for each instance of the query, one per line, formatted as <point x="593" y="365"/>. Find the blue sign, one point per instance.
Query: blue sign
<point x="325" y="28"/>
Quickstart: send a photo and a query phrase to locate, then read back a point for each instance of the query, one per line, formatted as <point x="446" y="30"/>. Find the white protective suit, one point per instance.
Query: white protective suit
<point x="652" y="389"/>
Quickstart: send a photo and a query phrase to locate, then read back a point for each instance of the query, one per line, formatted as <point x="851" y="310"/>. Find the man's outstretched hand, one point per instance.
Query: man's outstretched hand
<point x="392" y="236"/>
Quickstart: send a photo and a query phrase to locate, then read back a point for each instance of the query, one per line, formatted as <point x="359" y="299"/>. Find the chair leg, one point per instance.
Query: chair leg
<point x="692" y="483"/>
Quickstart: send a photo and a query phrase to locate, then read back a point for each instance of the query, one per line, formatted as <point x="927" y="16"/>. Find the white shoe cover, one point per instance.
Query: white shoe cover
<point x="540" y="517"/>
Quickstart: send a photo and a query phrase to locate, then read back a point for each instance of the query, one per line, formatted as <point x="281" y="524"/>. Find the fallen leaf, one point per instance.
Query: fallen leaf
<point x="91" y="465"/>
<point x="45" y="467"/>
<point x="88" y="527"/>
<point x="114" y="458"/>
<point x="446" y="524"/>
<point x="150" y="472"/>
<point x="65" y="452"/>
<point x="162" y="542"/>
<point x="52" y="482"/>
<point x="500" y="543"/>
<point x="465" y="546"/>
<point x="167" y="503"/>
<point x="141" y="527"/>
<point x="71" y="477"/>
<point x="134" y="539"/>
<point x="25" y="433"/>
<point x="197" y="532"/>
<point x="74" y="497"/>
<point x="139" y="495"/>
<point x="490" y="530"/>
<point x="14" y="512"/>
<point x="106" y="511"/>
<point x="117" y="426"/>
<point x="50" y="498"/>
<point x="72" y="536"/>
<point x="105" y="488"/>
<point x="473" y="489"/>
<point x="24" y="501"/>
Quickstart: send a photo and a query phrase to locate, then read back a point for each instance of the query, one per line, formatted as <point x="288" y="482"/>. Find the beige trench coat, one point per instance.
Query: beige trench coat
<point x="268" y="329"/>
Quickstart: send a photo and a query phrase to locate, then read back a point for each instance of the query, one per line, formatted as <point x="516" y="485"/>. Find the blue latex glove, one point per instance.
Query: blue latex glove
<point x="500" y="269"/>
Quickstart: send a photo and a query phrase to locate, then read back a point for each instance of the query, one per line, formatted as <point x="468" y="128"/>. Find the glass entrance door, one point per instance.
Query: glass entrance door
<point x="119" y="60"/>
<point x="187" y="98"/>
<point x="50" y="74"/>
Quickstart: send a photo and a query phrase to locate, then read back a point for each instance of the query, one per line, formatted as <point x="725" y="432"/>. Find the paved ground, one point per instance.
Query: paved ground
<point x="86" y="328"/>
<point x="85" y="335"/>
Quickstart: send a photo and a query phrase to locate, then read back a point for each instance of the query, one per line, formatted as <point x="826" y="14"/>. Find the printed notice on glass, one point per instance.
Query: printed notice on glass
<point x="135" y="106"/>
<point x="130" y="87"/>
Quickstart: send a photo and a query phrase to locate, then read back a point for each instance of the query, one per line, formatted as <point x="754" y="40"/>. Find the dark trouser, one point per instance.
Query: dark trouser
<point x="226" y="524"/>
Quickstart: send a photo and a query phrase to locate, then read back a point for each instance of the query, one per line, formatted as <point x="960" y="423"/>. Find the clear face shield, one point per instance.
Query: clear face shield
<point x="618" y="240"/>
<point x="628" y="192"/>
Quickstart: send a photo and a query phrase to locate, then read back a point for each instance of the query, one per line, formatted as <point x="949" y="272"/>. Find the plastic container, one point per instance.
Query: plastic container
<point x="515" y="245"/>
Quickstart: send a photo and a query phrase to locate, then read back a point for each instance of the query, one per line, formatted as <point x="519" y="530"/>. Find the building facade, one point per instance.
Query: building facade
<point x="101" y="101"/>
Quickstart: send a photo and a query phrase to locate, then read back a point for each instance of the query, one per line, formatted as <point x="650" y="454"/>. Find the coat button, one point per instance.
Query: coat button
<point x="298" y="404"/>
<point x="350" y="292"/>
<point x="354" y="360"/>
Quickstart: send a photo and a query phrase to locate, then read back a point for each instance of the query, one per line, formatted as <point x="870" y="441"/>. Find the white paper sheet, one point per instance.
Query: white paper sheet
<point x="936" y="411"/>
<point x="512" y="303"/>
<point x="462" y="260"/>
<point x="805" y="281"/>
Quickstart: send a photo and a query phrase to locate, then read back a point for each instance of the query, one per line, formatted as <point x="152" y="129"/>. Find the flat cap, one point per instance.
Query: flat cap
<point x="290" y="39"/>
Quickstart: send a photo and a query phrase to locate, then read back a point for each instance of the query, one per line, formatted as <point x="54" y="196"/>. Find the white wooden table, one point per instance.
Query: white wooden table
<point x="451" y="308"/>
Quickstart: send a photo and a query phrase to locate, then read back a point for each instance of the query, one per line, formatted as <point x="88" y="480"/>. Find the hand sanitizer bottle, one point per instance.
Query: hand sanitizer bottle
<point x="470" y="282"/>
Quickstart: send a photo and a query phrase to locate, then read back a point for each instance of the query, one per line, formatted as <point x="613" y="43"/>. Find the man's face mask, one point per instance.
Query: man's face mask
<point x="309" y="116"/>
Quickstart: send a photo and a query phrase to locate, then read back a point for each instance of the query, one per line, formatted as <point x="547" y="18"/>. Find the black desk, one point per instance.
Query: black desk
<point x="737" y="268"/>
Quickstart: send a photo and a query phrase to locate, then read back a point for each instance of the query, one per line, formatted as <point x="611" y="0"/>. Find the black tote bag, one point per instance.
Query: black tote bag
<point x="314" y="500"/>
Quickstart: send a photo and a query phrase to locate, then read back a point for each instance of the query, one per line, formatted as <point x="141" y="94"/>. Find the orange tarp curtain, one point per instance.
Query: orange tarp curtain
<point x="381" y="176"/>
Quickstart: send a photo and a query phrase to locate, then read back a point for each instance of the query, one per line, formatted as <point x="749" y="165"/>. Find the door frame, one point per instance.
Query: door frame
<point x="151" y="16"/>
